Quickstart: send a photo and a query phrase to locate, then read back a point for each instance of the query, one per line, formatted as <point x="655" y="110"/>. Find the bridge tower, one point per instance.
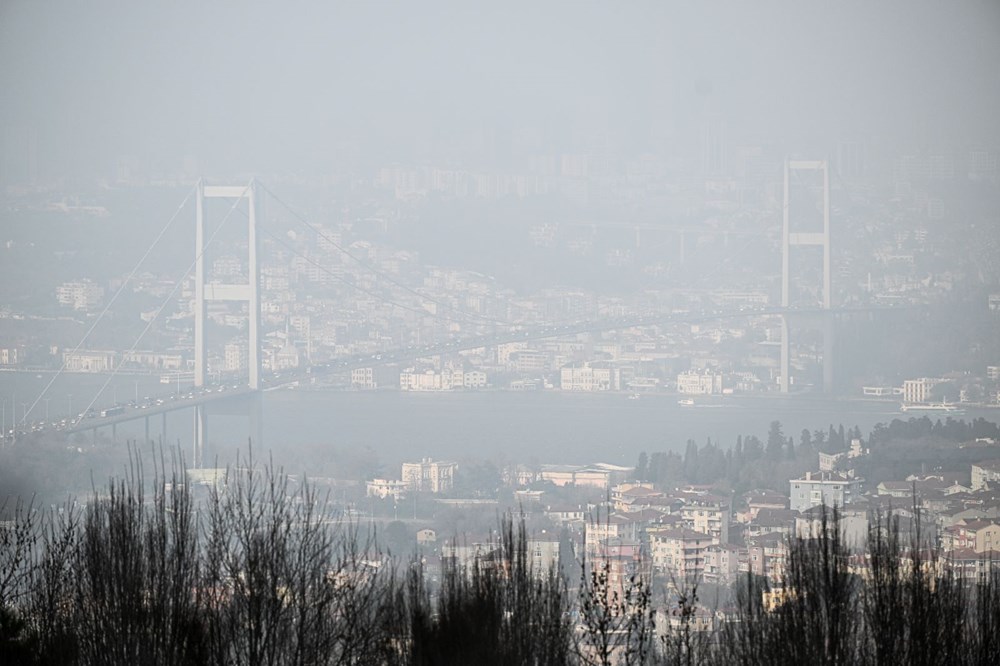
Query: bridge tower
<point x="204" y="293"/>
<point x="790" y="239"/>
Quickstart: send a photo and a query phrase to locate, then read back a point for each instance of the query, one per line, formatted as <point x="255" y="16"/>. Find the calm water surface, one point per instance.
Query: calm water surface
<point x="532" y="426"/>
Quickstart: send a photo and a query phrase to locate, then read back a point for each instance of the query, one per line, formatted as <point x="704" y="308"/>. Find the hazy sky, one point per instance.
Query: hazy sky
<point x="292" y="85"/>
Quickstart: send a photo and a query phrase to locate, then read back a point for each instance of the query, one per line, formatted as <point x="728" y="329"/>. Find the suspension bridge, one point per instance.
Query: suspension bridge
<point x="219" y="395"/>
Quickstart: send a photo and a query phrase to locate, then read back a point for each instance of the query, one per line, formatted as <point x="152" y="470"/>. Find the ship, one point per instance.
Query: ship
<point x="686" y="402"/>
<point x="943" y="406"/>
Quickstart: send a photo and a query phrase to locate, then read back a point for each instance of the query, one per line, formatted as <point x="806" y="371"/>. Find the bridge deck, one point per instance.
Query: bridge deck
<point x="216" y="393"/>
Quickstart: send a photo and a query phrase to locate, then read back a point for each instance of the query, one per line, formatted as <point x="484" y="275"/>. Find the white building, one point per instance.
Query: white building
<point x="601" y="475"/>
<point x="88" y="360"/>
<point x="79" y="295"/>
<point x="985" y="473"/>
<point x="429" y="475"/>
<point x="543" y="553"/>
<point x="386" y="488"/>
<point x="596" y="376"/>
<point x="679" y="551"/>
<point x="698" y="383"/>
<point x="708" y="515"/>
<point x="475" y="379"/>
<point x="829" y="488"/>
<point x="918" y="390"/>
<point x="429" y="380"/>
<point x="10" y="356"/>
<point x="363" y="378"/>
<point x="236" y="356"/>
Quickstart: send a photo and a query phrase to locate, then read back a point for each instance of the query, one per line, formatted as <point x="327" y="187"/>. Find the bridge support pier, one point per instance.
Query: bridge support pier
<point x="200" y="434"/>
<point x="828" y="353"/>
<point x="783" y="382"/>
<point x="790" y="239"/>
<point x="248" y="293"/>
<point x="256" y="415"/>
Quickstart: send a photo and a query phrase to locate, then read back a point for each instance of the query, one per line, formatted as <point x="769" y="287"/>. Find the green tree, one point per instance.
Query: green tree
<point x="775" y="441"/>
<point x="642" y="466"/>
<point x="690" y="460"/>
<point x="398" y="538"/>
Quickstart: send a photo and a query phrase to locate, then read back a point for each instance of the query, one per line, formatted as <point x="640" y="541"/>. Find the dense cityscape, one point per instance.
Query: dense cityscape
<point x="598" y="374"/>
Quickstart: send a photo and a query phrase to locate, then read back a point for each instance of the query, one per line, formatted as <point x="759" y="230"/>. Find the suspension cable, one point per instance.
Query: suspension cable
<point x="156" y="315"/>
<point x="110" y="303"/>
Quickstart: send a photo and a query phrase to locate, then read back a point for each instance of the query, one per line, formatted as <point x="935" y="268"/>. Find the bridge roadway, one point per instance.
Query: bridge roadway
<point x="227" y="391"/>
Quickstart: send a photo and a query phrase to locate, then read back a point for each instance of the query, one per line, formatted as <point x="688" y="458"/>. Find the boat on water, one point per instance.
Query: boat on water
<point x="686" y="402"/>
<point x="634" y="396"/>
<point x="933" y="407"/>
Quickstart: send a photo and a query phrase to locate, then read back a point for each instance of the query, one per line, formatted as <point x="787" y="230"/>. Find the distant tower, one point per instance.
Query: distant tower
<point x="248" y="293"/>
<point x="791" y="239"/>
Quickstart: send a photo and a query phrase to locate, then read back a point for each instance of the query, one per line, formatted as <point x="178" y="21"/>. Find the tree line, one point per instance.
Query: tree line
<point x="260" y="572"/>
<point x="753" y="462"/>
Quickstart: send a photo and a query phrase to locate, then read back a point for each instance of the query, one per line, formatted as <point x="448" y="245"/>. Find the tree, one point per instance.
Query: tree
<point x="775" y="441"/>
<point x="690" y="460"/>
<point x="477" y="480"/>
<point x="397" y="538"/>
<point x="642" y="466"/>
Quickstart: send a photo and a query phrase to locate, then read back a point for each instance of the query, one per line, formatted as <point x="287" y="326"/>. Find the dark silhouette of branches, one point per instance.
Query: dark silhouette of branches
<point x="262" y="572"/>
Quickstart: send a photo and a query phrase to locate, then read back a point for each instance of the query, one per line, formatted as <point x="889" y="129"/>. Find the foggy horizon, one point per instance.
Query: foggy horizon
<point x="249" y="88"/>
<point x="458" y="333"/>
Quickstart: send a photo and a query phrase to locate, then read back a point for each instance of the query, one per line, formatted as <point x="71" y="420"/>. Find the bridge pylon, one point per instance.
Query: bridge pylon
<point x="204" y="293"/>
<point x="790" y="239"/>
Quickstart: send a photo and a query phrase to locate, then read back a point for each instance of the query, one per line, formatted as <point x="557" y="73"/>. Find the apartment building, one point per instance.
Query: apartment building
<point x="829" y="488"/>
<point x="918" y="390"/>
<point x="766" y="555"/>
<point x="979" y="536"/>
<point x="722" y="563"/>
<point x="679" y="552"/>
<point x="985" y="473"/>
<point x="600" y="530"/>
<point x="708" y="514"/>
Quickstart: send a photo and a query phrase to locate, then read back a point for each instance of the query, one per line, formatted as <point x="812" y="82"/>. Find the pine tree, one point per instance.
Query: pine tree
<point x="775" y="441"/>
<point x="642" y="466"/>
